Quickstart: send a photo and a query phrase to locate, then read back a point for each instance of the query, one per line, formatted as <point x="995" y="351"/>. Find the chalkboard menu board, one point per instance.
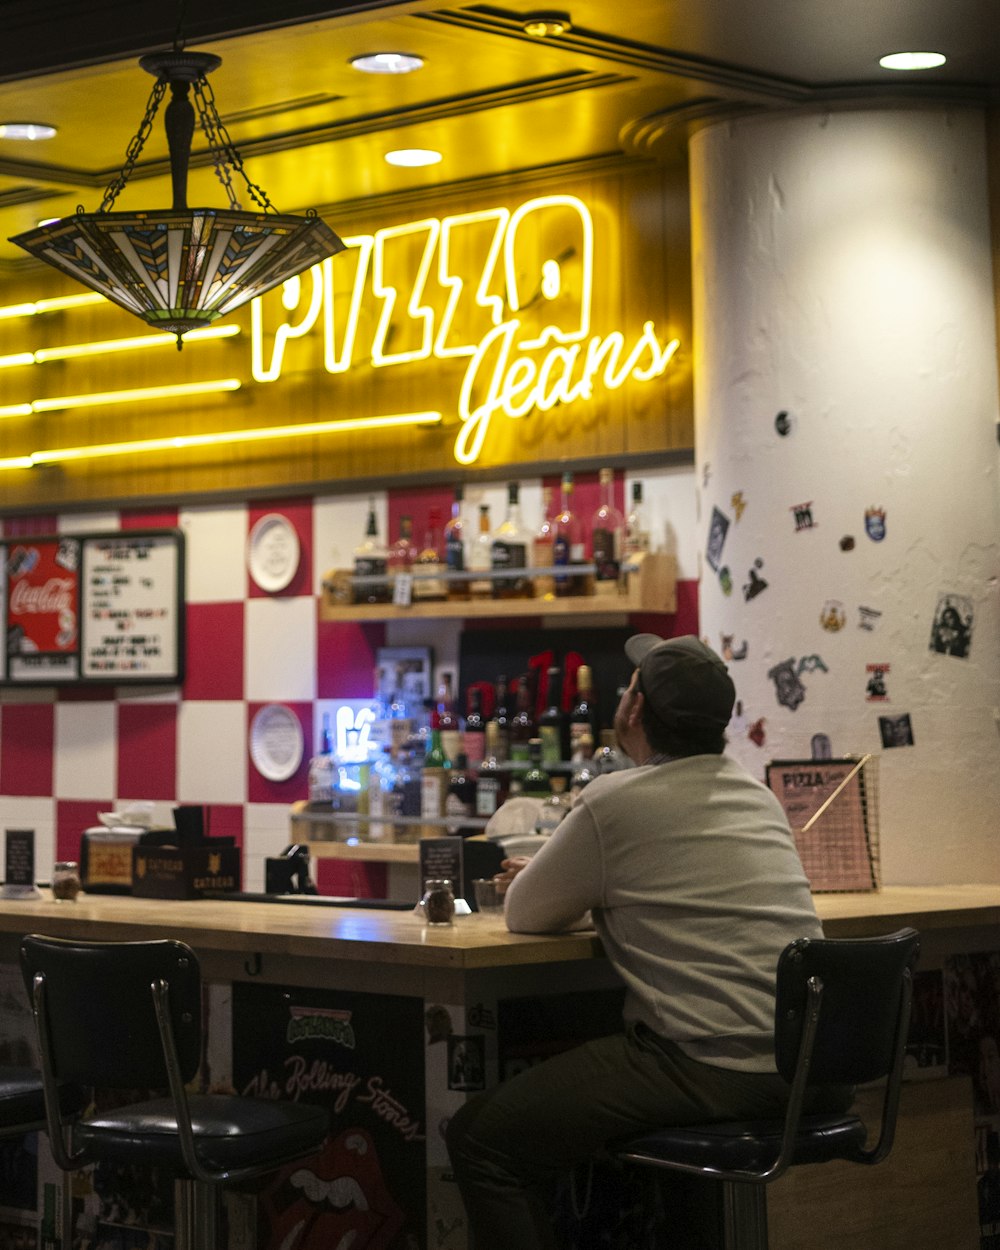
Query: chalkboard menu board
<point x="105" y="607"/>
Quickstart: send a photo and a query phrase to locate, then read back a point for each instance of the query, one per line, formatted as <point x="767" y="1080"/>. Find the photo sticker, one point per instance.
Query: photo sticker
<point x="951" y="633"/>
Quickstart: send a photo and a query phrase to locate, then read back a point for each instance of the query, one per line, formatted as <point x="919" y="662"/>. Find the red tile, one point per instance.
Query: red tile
<point x="683" y="621"/>
<point x="345" y="658"/>
<point x="351" y="878"/>
<point x="416" y="502"/>
<point x="147" y="751"/>
<point x="299" y="513"/>
<point x="260" y="789"/>
<point x="143" y="520"/>
<point x="73" y="816"/>
<point x="214" y="651"/>
<point x="25" y="526"/>
<point x="225" y="820"/>
<point x="27" y="736"/>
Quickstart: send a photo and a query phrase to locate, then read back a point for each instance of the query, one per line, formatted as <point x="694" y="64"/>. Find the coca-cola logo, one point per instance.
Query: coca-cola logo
<point x="54" y="596"/>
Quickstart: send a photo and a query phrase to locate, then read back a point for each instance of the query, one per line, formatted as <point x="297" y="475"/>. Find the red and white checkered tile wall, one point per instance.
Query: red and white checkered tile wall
<point x="67" y="754"/>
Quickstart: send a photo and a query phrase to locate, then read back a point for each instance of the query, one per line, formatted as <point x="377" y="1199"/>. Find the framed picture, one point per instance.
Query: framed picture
<point x="404" y="675"/>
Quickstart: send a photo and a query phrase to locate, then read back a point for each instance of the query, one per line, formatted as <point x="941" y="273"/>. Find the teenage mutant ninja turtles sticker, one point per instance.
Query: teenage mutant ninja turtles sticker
<point x="951" y="633"/>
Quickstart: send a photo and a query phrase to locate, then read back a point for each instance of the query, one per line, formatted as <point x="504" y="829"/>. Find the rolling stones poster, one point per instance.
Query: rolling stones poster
<point x="362" y="1057"/>
<point x="42" y="601"/>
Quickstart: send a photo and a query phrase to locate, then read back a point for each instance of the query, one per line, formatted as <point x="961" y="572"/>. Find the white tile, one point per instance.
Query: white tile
<point x="670" y="506"/>
<point x="266" y="832"/>
<point x="280" y="649"/>
<point x="86" y="750"/>
<point x="215" y="552"/>
<point x="88" y="522"/>
<point x="37" y="814"/>
<point x="211" y="752"/>
<point x="339" y="527"/>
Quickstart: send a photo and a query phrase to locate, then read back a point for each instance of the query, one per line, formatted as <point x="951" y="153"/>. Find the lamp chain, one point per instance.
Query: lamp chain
<point x="223" y="149"/>
<point x="135" y="146"/>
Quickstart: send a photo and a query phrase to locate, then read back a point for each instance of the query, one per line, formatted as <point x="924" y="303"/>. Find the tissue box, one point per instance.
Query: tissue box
<point x="185" y="872"/>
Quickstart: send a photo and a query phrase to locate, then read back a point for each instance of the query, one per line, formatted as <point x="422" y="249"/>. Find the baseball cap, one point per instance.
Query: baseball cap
<point x="684" y="681"/>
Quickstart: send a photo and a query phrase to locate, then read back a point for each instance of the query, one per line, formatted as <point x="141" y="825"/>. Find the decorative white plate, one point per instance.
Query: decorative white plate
<point x="276" y="742"/>
<point x="273" y="552"/>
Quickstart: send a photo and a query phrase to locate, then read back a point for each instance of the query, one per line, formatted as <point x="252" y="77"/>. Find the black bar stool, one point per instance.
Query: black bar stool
<point x="841" y="1016"/>
<point x="127" y="1016"/>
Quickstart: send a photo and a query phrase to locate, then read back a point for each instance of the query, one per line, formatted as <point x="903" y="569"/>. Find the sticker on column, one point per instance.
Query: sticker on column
<point x="726" y="580"/>
<point x="811" y="664"/>
<point x="875" y="523"/>
<point x="833" y="618"/>
<point x="847" y="543"/>
<point x="717" y="531"/>
<point x="788" y="689"/>
<point x="738" y="503"/>
<point x="706" y="473"/>
<point x="729" y="652"/>
<point x="821" y="747"/>
<point x="896" y="731"/>
<point x="875" y="689"/>
<point x="466" y="1062"/>
<point x="738" y="724"/>
<point x="952" y="630"/>
<point x="868" y="618"/>
<point x="756" y="584"/>
<point x="802" y="512"/>
<point x="756" y="733"/>
<point x="783" y="424"/>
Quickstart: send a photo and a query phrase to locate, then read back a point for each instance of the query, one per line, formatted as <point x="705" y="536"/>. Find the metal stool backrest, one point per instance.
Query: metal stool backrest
<point x="841" y="1014"/>
<point x="96" y="1005"/>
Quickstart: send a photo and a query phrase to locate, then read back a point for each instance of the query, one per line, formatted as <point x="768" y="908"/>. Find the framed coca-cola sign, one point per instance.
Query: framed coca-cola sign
<point x="94" y="608"/>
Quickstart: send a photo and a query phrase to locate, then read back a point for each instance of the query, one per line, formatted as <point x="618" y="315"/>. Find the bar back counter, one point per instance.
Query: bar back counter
<point x="392" y="1024"/>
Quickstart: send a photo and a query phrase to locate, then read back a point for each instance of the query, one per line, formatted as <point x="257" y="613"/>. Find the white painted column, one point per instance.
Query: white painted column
<point x="842" y="277"/>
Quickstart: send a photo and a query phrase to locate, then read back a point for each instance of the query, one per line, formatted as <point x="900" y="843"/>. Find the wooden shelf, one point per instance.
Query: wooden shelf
<point x="309" y="828"/>
<point x="651" y="587"/>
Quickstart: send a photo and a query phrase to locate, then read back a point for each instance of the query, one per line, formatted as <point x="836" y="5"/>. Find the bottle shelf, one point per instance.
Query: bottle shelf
<point x="648" y="585"/>
<point x="311" y="826"/>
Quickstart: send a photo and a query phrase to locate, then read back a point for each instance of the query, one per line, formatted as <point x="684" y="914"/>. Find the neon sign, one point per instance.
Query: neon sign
<point x="524" y="324"/>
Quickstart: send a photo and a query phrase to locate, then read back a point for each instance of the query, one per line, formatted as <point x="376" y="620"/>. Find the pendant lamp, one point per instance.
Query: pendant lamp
<point x="182" y="268"/>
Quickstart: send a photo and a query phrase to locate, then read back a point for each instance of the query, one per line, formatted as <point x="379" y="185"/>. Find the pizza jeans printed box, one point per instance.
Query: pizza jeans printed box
<point x="185" y="872"/>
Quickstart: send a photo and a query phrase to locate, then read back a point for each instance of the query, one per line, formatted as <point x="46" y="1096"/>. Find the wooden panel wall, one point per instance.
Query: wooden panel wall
<point x="642" y="273"/>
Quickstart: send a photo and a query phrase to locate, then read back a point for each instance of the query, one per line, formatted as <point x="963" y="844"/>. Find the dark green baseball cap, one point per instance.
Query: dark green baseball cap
<point x="684" y="681"/>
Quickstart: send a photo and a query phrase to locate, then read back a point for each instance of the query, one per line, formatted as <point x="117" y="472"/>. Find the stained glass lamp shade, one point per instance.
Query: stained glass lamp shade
<point x="180" y="269"/>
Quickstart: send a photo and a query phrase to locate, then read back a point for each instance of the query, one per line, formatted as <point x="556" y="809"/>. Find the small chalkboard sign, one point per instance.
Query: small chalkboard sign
<point x="19" y="864"/>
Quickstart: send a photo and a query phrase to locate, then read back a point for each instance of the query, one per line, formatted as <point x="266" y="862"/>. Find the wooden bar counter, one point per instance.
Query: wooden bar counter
<point x="393" y="1024"/>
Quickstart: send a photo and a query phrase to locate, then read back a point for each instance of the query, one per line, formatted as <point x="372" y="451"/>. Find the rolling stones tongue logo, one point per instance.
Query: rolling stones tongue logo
<point x="336" y="1201"/>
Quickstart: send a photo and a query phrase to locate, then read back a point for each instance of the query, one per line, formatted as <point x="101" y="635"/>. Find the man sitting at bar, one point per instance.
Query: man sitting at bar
<point x="688" y="868"/>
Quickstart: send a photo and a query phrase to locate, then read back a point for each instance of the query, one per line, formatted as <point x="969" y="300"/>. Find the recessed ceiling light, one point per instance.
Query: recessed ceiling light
<point x="387" y="63"/>
<point x="545" y="25"/>
<point x="26" y="130"/>
<point x="912" y="60"/>
<point x="413" y="158"/>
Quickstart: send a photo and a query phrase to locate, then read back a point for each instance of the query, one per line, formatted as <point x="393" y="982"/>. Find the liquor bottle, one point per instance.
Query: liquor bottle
<point x="510" y="550"/>
<point x="568" y="545"/>
<point x="492" y="781"/>
<point x="321" y="768"/>
<point x="456" y="536"/>
<point x="542" y="556"/>
<point x="407" y="797"/>
<point x="449" y="722"/>
<point x="481" y="587"/>
<point x="460" y="801"/>
<point x="552" y="722"/>
<point x="581" y="717"/>
<point x="403" y="551"/>
<point x="474" y="734"/>
<point x="522" y="723"/>
<point x="434" y="782"/>
<point x="535" y="782"/>
<point x="383" y="799"/>
<point x="554" y="808"/>
<point x="608" y="758"/>
<point x="501" y="719"/>
<point x="428" y="584"/>
<point x="371" y="565"/>
<point x="607" y="531"/>
<point x="636" y="524"/>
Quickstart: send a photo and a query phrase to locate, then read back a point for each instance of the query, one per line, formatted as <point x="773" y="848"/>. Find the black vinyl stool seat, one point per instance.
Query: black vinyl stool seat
<point x="127" y="1016"/>
<point x="841" y="1016"/>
